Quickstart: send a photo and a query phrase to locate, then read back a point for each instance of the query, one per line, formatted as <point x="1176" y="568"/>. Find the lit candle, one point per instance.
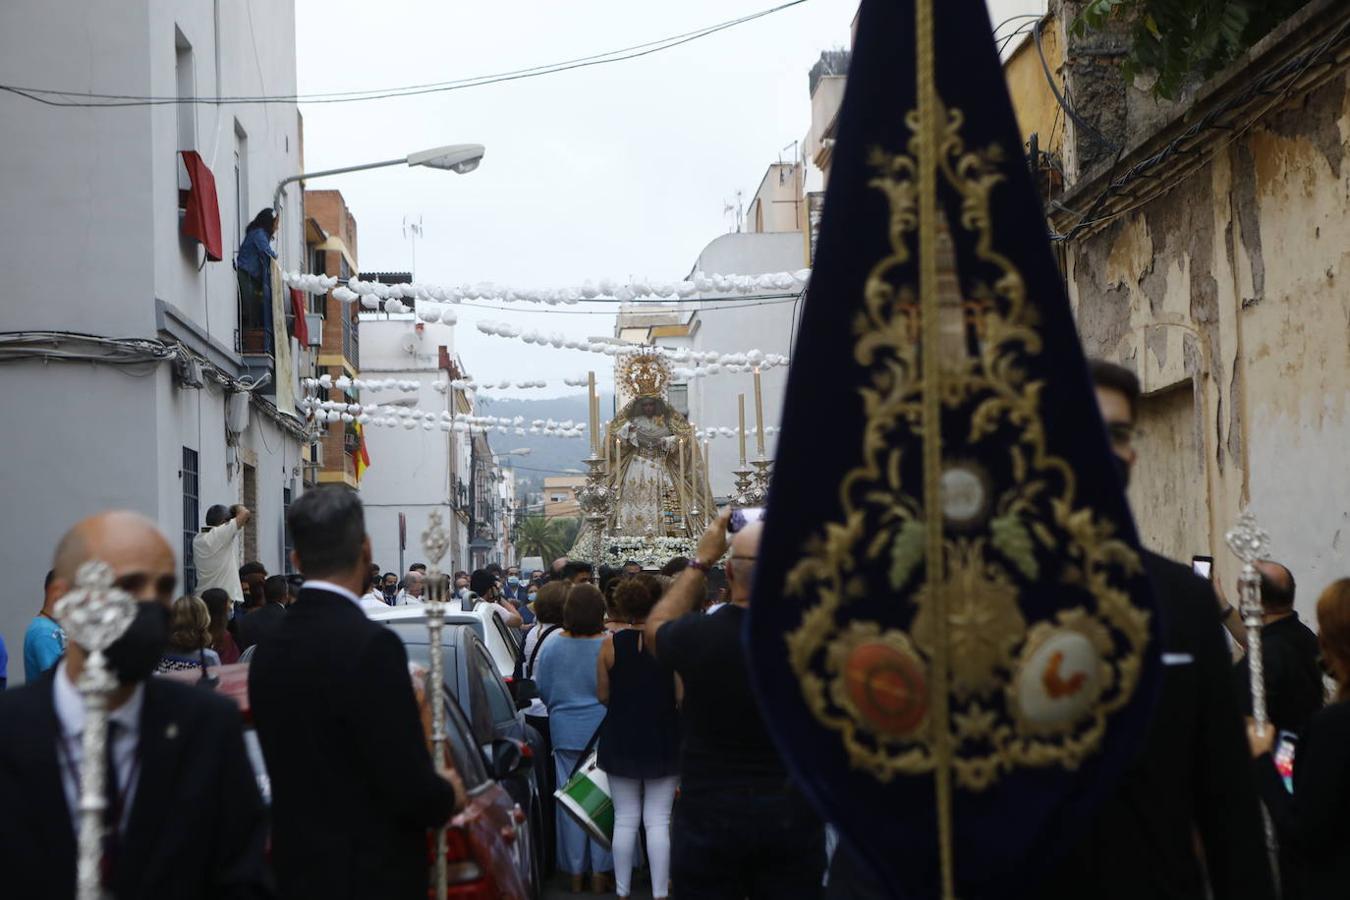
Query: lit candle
<point x="759" y="416"/>
<point x="741" y="402"/>
<point x="594" y="413"/>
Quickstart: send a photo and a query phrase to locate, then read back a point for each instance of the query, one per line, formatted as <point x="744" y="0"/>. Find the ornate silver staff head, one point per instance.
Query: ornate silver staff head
<point x="94" y="614"/>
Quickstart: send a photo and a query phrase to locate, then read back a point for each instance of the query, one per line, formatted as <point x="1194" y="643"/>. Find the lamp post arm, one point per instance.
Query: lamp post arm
<point x="304" y="176"/>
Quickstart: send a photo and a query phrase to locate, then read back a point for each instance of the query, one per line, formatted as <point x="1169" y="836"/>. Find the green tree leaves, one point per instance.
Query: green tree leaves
<point x="1181" y="39"/>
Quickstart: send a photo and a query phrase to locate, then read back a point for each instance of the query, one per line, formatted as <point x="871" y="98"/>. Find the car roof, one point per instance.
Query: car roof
<point x="416" y="632"/>
<point x="417" y="612"/>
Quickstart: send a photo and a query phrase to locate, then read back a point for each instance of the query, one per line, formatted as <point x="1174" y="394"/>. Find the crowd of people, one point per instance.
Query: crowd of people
<point x="646" y="669"/>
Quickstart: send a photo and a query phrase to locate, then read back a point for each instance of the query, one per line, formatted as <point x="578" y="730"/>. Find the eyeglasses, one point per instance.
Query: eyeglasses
<point x="1122" y="434"/>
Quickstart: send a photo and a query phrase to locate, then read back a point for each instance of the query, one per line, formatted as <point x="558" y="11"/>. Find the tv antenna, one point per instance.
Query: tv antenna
<point x="413" y="231"/>
<point x="728" y="207"/>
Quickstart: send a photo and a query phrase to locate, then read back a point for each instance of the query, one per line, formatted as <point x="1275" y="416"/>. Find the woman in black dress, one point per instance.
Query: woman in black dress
<point x="640" y="738"/>
<point x="1312" y="821"/>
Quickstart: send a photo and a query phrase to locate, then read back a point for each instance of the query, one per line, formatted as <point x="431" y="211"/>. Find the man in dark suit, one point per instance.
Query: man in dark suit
<point x="259" y="625"/>
<point x="353" y="786"/>
<point x="1289" y="654"/>
<point x="1192" y="784"/>
<point x="185" y="819"/>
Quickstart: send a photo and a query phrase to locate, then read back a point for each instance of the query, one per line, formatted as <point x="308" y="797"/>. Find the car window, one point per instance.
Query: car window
<point x="467" y="758"/>
<point x="499" y="699"/>
<point x="507" y="637"/>
<point x="421" y="654"/>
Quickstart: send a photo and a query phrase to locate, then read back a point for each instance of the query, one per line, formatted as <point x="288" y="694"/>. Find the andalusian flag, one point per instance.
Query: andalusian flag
<point x="362" y="454"/>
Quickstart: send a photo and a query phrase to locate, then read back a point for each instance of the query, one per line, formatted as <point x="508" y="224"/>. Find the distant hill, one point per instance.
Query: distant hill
<point x="550" y="454"/>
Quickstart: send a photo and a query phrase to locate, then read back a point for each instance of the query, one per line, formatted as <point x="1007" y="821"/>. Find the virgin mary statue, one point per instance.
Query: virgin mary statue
<point x="655" y="468"/>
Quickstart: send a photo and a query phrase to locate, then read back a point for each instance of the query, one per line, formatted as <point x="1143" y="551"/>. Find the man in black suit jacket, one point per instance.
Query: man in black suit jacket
<point x="1289" y="655"/>
<point x="1192" y="784"/>
<point x="353" y="786"/>
<point x="260" y="624"/>
<point x="193" y="824"/>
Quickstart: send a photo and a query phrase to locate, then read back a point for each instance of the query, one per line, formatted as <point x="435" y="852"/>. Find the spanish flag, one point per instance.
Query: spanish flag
<point x="362" y="454"/>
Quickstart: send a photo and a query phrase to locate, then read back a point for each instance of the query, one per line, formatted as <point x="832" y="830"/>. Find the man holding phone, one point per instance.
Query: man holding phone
<point x="741" y="828"/>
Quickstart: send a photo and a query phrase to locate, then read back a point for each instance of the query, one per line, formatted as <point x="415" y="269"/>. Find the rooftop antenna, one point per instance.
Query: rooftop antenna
<point x="740" y="213"/>
<point x="413" y="230"/>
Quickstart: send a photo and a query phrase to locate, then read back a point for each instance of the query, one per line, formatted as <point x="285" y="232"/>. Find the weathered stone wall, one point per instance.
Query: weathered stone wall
<point x="1230" y="296"/>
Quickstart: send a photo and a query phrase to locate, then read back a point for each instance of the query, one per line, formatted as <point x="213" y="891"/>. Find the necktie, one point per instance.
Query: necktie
<point x="112" y="811"/>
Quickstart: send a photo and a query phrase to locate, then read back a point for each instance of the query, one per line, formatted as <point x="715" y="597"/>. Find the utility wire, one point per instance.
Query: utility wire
<point x="620" y="55"/>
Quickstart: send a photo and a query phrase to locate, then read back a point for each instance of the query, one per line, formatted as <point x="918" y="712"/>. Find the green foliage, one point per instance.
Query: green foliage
<point x="906" y="552"/>
<point x="1179" y="39"/>
<point x="546" y="538"/>
<point x="1013" y="540"/>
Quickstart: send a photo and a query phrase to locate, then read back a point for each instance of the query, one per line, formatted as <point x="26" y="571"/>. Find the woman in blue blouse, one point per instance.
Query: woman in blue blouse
<point x="253" y="263"/>
<point x="565" y="674"/>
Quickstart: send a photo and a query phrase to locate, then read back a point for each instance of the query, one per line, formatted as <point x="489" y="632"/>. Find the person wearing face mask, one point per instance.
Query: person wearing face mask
<point x="1186" y="811"/>
<point x="335" y="713"/>
<point x="154" y="848"/>
<point x="482" y="584"/>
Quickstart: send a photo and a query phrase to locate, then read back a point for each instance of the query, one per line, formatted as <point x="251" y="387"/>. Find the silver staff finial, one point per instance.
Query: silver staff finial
<point x="435" y="540"/>
<point x="95" y="612"/>
<point x="1248" y="541"/>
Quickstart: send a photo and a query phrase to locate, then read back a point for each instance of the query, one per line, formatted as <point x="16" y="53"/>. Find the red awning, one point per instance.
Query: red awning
<point x="202" y="221"/>
<point x="298" y="311"/>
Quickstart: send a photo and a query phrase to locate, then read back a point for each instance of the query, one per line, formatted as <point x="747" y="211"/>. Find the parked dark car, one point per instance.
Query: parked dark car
<point x="474" y="680"/>
<point x="489" y="850"/>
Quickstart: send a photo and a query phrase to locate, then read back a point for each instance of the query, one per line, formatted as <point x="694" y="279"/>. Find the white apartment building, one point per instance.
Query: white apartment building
<point x="123" y="380"/>
<point x="413" y="471"/>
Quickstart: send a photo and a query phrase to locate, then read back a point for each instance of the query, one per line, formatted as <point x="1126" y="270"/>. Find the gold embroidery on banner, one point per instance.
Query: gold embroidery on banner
<point x="1029" y="535"/>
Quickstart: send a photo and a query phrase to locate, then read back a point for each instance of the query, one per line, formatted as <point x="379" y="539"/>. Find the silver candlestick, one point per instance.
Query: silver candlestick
<point x="94" y="615"/>
<point x="763" y="469"/>
<point x="435" y="542"/>
<point x="595" y="498"/>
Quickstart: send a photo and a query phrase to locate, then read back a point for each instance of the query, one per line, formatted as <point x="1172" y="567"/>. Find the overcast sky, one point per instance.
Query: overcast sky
<point x="606" y="172"/>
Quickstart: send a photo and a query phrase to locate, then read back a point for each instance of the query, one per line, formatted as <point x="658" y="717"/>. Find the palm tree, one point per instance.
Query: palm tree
<point x="568" y="529"/>
<point x="538" y="536"/>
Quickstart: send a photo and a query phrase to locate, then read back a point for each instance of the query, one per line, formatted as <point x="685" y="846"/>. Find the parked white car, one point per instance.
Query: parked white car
<point x="501" y="642"/>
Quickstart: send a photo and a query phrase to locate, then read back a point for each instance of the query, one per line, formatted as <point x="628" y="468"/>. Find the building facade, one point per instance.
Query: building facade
<point x="125" y="341"/>
<point x="560" y="496"/>
<point x="1205" y="244"/>
<point x="331" y="249"/>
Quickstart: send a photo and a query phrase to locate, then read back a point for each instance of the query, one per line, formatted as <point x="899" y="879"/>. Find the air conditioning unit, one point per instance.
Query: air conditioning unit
<point x="314" y="324"/>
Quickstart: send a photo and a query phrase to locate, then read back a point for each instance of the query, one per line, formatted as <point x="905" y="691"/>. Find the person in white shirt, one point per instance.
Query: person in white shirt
<point x="485" y="586"/>
<point x="213" y="551"/>
<point x="413" y="585"/>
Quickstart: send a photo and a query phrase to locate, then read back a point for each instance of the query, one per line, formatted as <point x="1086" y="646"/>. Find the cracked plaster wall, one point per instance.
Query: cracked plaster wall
<point x="1238" y="281"/>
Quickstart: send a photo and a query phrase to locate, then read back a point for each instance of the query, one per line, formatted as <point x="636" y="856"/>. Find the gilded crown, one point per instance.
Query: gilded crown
<point x="645" y="373"/>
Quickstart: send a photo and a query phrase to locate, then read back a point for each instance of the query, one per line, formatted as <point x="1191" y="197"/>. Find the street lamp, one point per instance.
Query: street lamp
<point x="459" y="158"/>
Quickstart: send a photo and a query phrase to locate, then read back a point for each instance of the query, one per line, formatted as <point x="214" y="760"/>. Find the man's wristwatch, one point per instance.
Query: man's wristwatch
<point x="696" y="563"/>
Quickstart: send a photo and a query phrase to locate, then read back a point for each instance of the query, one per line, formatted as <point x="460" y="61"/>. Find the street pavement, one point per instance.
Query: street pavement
<point x="559" y="888"/>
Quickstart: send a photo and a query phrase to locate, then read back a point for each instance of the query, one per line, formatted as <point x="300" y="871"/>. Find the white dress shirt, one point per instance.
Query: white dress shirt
<point x="70" y="713"/>
<point x="217" y="566"/>
<point x="321" y="585"/>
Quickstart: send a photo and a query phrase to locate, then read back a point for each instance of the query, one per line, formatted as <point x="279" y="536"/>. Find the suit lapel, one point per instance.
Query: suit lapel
<point x="160" y="754"/>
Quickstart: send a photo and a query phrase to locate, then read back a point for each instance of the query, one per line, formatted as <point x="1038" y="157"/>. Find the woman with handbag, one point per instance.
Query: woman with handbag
<point x="565" y="673"/>
<point x="640" y="738"/>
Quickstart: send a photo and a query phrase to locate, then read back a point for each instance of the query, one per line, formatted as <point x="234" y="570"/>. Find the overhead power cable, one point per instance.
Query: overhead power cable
<point x="92" y="99"/>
